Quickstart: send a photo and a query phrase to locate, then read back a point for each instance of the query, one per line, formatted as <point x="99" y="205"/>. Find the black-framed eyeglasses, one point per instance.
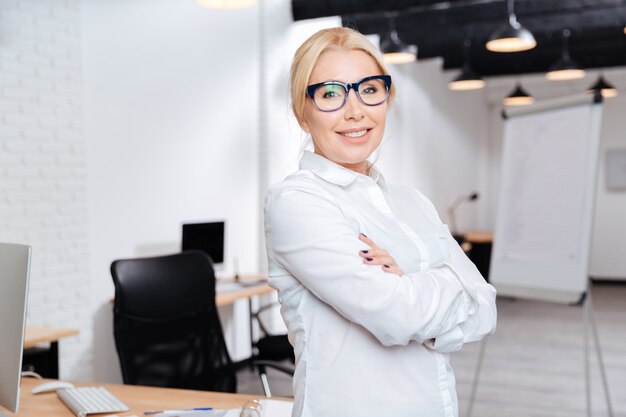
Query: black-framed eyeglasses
<point x="332" y="95"/>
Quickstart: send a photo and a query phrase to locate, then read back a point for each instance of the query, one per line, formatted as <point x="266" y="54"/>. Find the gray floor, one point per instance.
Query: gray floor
<point x="534" y="363"/>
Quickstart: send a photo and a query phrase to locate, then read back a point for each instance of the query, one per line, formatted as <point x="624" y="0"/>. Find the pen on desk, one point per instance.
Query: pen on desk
<point x="177" y="411"/>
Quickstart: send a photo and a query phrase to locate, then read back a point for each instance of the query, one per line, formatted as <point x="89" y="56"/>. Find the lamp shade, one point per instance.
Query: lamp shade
<point x="518" y="97"/>
<point x="227" y="4"/>
<point x="565" y="68"/>
<point x="467" y="80"/>
<point x="606" y="89"/>
<point x="511" y="37"/>
<point x="395" y="51"/>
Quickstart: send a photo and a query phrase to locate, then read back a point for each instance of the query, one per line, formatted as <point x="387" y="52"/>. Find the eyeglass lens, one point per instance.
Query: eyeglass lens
<point x="332" y="96"/>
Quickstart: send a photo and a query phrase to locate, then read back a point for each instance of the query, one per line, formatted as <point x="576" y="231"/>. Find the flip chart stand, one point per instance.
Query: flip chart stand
<point x="590" y="331"/>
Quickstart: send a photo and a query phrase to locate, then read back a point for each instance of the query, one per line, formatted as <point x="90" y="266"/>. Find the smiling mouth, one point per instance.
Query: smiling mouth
<point x="356" y="134"/>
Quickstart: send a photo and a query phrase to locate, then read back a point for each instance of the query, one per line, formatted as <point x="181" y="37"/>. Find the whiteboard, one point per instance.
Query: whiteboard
<point x="546" y="199"/>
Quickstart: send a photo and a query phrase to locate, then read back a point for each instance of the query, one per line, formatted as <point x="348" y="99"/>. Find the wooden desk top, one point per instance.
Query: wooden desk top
<point x="41" y="334"/>
<point x="137" y="398"/>
<point x="478" y="237"/>
<point x="231" y="291"/>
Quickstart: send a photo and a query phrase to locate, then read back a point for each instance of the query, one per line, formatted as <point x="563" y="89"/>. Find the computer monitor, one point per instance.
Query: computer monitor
<point x="14" y="271"/>
<point x="207" y="237"/>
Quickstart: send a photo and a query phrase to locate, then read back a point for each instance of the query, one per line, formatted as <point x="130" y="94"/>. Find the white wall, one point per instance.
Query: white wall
<point x="436" y="140"/>
<point x="171" y="102"/>
<point x="609" y="241"/>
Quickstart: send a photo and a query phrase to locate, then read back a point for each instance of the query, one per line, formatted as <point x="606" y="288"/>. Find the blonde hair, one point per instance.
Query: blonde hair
<point x="308" y="53"/>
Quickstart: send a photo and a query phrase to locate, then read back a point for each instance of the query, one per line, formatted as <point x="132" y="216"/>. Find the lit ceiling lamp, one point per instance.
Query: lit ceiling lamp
<point x="605" y="88"/>
<point x="518" y="97"/>
<point x="227" y="4"/>
<point x="565" y="68"/>
<point x="394" y="50"/>
<point x="468" y="79"/>
<point x="512" y="36"/>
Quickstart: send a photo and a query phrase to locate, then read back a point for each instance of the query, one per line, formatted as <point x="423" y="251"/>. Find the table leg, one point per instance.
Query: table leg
<point x="251" y="327"/>
<point x="53" y="359"/>
<point x="44" y="361"/>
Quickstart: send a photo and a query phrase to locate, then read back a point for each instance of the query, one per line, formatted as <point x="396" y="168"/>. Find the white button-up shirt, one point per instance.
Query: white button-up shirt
<point x="370" y="343"/>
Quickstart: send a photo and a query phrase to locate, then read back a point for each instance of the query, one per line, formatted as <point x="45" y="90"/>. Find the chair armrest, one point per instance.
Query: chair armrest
<point x="276" y="365"/>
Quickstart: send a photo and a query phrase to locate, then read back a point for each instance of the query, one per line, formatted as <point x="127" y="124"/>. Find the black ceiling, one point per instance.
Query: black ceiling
<point x="438" y="28"/>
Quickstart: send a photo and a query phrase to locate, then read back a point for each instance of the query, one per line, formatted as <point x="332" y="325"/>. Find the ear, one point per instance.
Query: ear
<point x="302" y="122"/>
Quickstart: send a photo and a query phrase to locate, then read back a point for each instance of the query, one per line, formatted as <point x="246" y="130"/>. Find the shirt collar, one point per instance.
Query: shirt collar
<point x="335" y="173"/>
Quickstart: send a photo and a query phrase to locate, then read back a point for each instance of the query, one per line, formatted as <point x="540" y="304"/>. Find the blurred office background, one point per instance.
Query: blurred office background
<point x="120" y="120"/>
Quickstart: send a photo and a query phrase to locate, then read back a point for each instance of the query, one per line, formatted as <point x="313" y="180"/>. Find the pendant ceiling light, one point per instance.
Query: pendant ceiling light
<point x="605" y="88"/>
<point x="512" y="36"/>
<point x="468" y="79"/>
<point x="518" y="97"/>
<point x="394" y="50"/>
<point x="565" y="68"/>
<point x="227" y="4"/>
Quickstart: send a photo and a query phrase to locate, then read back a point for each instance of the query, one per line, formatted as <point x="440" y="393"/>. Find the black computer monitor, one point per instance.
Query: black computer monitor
<point x="14" y="271"/>
<point x="207" y="237"/>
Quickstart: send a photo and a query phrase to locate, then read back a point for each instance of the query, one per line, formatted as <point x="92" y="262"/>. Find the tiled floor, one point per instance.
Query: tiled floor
<point x="534" y="363"/>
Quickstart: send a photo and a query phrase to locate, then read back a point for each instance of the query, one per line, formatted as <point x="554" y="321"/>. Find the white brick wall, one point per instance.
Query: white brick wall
<point x="42" y="165"/>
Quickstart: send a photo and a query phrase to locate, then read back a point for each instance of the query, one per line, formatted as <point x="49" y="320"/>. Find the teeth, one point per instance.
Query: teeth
<point x="355" y="134"/>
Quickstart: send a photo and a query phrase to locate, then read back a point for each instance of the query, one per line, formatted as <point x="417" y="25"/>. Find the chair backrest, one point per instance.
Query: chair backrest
<point x="166" y="326"/>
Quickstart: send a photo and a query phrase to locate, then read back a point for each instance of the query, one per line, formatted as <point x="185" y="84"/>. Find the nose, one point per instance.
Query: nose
<point x="353" y="108"/>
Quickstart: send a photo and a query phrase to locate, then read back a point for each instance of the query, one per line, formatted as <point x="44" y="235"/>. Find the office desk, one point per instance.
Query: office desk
<point x="44" y="361"/>
<point x="479" y="249"/>
<point x="137" y="398"/>
<point x="227" y="291"/>
<point x="42" y="334"/>
<point x="478" y="237"/>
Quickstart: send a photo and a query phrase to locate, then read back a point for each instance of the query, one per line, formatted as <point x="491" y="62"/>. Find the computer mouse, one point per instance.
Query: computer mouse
<point x="51" y="387"/>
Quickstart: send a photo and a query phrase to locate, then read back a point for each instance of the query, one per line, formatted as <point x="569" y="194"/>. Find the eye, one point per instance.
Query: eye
<point x="368" y="89"/>
<point x="331" y="91"/>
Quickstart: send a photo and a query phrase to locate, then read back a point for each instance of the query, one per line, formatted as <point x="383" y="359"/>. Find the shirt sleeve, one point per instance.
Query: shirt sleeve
<point x="308" y="235"/>
<point x="482" y="319"/>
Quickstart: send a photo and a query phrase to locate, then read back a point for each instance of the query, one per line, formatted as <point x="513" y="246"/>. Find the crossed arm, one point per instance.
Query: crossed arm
<point x="441" y="307"/>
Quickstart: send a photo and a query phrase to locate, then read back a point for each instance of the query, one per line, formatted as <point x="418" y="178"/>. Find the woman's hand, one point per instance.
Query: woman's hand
<point x="378" y="256"/>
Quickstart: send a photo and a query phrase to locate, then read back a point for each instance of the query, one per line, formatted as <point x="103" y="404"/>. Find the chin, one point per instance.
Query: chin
<point x="354" y="158"/>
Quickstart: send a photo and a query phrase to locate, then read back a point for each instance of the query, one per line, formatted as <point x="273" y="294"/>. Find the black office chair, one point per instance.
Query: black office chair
<point x="273" y="347"/>
<point x="273" y="351"/>
<point x="166" y="326"/>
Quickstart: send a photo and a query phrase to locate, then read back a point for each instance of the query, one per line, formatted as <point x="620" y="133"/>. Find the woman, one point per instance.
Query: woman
<point x="371" y="327"/>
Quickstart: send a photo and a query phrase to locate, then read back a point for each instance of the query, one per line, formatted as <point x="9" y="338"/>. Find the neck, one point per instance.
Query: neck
<point x="360" y="167"/>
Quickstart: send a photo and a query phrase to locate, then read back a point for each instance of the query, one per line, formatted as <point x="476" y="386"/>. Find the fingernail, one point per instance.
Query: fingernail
<point x="370" y="259"/>
<point x="364" y="251"/>
<point x="364" y="234"/>
<point x="386" y="266"/>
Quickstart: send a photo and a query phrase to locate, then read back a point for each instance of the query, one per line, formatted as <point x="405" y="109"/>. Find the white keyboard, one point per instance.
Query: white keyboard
<point x="90" y="400"/>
